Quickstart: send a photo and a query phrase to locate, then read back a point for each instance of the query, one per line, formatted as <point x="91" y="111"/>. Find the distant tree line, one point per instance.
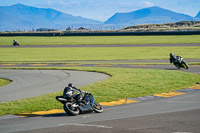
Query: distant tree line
<point x="46" y="29"/>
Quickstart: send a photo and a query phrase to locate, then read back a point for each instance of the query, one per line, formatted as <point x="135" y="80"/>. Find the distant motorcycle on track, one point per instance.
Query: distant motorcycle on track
<point x="178" y="61"/>
<point x="15" y="43"/>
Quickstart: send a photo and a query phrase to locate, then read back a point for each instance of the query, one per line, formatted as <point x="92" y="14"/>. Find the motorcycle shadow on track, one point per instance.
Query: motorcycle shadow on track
<point x="56" y="115"/>
<point x="48" y="115"/>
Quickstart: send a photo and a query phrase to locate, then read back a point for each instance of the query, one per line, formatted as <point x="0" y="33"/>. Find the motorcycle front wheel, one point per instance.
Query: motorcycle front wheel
<point x="69" y="109"/>
<point x="185" y="65"/>
<point x="97" y="108"/>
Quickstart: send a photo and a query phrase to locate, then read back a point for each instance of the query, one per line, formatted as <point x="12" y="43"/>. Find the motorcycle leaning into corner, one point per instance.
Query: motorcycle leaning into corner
<point x="178" y="61"/>
<point x="15" y="43"/>
<point x="87" y="104"/>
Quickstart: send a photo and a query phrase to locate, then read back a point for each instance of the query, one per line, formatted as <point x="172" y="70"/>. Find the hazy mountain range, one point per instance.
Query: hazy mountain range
<point x="152" y="15"/>
<point x="198" y="16"/>
<point x="26" y="18"/>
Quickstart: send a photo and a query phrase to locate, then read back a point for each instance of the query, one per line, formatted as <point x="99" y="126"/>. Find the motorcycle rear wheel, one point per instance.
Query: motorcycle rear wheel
<point x="69" y="109"/>
<point x="97" y="108"/>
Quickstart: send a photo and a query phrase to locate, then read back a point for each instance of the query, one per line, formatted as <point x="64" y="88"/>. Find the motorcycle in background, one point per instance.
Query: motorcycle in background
<point x="15" y="43"/>
<point x="178" y="61"/>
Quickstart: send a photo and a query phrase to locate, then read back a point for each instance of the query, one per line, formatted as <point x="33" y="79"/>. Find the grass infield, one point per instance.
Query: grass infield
<point x="106" y="53"/>
<point x="76" y="40"/>
<point x="4" y="82"/>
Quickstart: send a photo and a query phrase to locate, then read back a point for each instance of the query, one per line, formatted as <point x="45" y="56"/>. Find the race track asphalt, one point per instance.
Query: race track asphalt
<point x="31" y="83"/>
<point x="179" y="114"/>
<point x="161" y="115"/>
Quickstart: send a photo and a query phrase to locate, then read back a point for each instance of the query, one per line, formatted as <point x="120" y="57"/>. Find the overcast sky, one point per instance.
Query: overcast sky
<point x="104" y="9"/>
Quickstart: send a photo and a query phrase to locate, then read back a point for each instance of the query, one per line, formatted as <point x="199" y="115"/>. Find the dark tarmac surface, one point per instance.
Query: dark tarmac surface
<point x="161" y="115"/>
<point x="192" y="68"/>
<point x="175" y="122"/>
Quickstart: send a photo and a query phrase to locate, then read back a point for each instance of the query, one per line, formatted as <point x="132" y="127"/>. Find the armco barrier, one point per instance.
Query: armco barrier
<point x="132" y="33"/>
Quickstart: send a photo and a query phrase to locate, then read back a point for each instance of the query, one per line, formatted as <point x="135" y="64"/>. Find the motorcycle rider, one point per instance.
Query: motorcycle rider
<point x="175" y="59"/>
<point x="15" y="42"/>
<point x="69" y="93"/>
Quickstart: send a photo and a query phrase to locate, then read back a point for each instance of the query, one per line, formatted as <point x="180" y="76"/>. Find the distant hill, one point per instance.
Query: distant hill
<point x="152" y="15"/>
<point x="22" y="17"/>
<point x="25" y="17"/>
<point x="198" y="16"/>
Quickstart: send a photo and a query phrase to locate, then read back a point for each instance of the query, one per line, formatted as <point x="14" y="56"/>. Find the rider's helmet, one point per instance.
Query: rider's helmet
<point x="171" y="54"/>
<point x="70" y="85"/>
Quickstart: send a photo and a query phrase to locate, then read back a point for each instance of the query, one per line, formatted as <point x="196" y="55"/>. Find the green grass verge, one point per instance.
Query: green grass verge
<point x="124" y="83"/>
<point x="77" y="63"/>
<point x="4" y="82"/>
<point x="76" y="40"/>
<point x="115" y="53"/>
